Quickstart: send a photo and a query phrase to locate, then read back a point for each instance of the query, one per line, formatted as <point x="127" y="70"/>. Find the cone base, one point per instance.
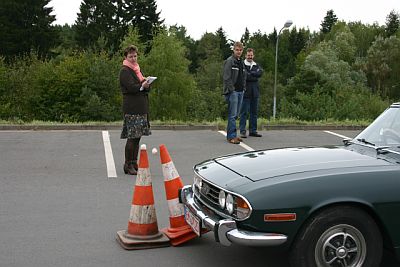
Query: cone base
<point x="177" y="231"/>
<point x="179" y="235"/>
<point x="130" y="242"/>
<point x="183" y="239"/>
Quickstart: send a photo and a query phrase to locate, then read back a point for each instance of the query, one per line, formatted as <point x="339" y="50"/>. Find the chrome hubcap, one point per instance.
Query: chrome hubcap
<point x="341" y="246"/>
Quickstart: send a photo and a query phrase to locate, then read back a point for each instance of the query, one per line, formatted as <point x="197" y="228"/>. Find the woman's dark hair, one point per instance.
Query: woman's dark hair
<point x="130" y="49"/>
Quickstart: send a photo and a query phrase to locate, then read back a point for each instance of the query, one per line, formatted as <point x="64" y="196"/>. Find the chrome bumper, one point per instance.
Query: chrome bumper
<point x="225" y="231"/>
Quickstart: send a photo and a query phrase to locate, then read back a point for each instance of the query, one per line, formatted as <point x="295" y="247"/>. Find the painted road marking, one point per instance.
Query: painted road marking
<point x="241" y="143"/>
<point x="111" y="172"/>
<point x="336" y="134"/>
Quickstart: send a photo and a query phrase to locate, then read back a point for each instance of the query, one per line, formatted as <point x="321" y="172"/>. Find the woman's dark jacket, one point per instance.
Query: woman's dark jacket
<point x="134" y="100"/>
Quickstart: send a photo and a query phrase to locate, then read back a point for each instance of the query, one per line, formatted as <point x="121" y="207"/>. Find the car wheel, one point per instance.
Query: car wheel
<point x="338" y="236"/>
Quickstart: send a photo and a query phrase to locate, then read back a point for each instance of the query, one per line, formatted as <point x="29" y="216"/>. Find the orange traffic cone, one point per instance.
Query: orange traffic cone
<point x="142" y="230"/>
<point x="179" y="231"/>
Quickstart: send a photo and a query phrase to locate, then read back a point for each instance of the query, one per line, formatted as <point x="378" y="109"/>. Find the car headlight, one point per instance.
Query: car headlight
<point x="229" y="204"/>
<point x="221" y="199"/>
<point x="242" y="208"/>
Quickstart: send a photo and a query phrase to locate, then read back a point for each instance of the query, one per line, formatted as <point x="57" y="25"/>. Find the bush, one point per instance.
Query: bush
<point x="343" y="104"/>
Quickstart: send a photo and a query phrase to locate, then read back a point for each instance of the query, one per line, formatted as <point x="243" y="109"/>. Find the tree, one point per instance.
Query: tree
<point x="343" y="42"/>
<point x="328" y="22"/>
<point x="96" y="19"/>
<point x="209" y="103"/>
<point x="327" y="87"/>
<point x="392" y="23"/>
<point x="298" y="40"/>
<point x="174" y="88"/>
<point x="383" y="65"/>
<point x="133" y="38"/>
<point x="245" y="37"/>
<point x="364" y="35"/>
<point x="143" y="15"/>
<point x="25" y="26"/>
<point x="224" y="45"/>
<point x="111" y="20"/>
<point x="190" y="44"/>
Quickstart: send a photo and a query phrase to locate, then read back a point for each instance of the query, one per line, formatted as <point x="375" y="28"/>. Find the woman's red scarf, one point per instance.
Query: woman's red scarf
<point x="135" y="67"/>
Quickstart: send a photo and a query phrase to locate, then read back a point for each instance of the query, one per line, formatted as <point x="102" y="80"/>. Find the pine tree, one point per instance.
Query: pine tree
<point x="143" y="15"/>
<point x="110" y="20"/>
<point x="96" y="19"/>
<point x="392" y="23"/>
<point x="329" y="20"/>
<point x="25" y="25"/>
<point x="245" y="37"/>
<point x="224" y="45"/>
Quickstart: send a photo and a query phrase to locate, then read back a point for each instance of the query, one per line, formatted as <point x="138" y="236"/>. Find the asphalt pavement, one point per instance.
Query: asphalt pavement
<point x="60" y="207"/>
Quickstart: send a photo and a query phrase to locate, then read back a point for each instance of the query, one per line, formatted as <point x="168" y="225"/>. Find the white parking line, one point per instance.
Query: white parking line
<point x="336" y="134"/>
<point x="241" y="143"/>
<point x="111" y="172"/>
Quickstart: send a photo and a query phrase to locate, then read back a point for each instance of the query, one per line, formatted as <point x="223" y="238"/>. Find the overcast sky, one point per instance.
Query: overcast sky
<point x="200" y="16"/>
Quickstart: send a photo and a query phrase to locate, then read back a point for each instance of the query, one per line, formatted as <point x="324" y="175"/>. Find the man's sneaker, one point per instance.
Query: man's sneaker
<point x="243" y="135"/>
<point x="255" y="134"/>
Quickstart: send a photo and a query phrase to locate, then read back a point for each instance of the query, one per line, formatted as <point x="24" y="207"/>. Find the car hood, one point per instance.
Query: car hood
<point x="266" y="164"/>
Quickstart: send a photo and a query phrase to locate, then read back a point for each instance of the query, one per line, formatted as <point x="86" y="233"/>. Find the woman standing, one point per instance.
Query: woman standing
<point x="135" y="107"/>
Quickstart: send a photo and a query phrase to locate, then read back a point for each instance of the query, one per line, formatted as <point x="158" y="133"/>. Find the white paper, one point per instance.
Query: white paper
<point x="149" y="80"/>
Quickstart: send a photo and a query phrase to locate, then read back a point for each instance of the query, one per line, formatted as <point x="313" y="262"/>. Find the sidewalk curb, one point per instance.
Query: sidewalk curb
<point x="173" y="127"/>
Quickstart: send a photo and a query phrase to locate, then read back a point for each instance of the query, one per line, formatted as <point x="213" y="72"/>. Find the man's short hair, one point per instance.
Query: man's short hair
<point x="238" y="44"/>
<point x="250" y="50"/>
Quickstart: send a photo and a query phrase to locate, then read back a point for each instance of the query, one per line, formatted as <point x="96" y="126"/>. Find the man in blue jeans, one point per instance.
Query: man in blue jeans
<point x="234" y="76"/>
<point x="251" y="96"/>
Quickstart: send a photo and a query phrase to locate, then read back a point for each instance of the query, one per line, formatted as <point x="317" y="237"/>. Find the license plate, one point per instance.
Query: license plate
<point x="193" y="221"/>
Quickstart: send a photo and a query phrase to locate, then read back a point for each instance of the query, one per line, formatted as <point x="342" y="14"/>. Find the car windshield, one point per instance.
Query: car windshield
<point x="385" y="130"/>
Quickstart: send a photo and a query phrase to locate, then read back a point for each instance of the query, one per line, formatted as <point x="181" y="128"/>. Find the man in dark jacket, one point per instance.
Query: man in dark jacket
<point x="234" y="76"/>
<point x="251" y="96"/>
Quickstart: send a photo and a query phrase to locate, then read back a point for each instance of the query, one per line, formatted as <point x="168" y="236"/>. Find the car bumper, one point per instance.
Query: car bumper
<point x="225" y="231"/>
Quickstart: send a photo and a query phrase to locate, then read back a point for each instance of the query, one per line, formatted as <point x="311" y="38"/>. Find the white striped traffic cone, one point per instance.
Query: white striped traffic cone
<point x="142" y="230"/>
<point x="179" y="231"/>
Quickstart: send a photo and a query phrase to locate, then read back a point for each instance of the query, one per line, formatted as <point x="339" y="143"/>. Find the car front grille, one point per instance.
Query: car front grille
<point x="208" y="193"/>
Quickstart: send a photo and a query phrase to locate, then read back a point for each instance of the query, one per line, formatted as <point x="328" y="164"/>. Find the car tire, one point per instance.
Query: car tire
<point x="337" y="234"/>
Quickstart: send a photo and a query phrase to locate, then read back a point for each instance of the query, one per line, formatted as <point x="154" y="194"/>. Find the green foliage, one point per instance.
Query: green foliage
<point x="25" y="26"/>
<point x="97" y="19"/>
<point x="208" y="102"/>
<point x="364" y="35"/>
<point x="344" y="43"/>
<point x="133" y="38"/>
<point x="329" y="20"/>
<point x="382" y="66"/>
<point x="326" y="87"/>
<point x="172" y="91"/>
<point x="80" y="87"/>
<point x="347" y="72"/>
<point x="392" y="23"/>
<point x="189" y="43"/>
<point x="346" y="103"/>
<point x="224" y="45"/>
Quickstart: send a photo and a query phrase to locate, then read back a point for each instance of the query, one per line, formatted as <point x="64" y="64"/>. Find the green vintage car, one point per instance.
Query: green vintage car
<point x="329" y="206"/>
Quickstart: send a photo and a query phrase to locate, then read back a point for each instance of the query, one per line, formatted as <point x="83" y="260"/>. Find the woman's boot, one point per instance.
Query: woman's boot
<point x="135" y="165"/>
<point x="129" y="168"/>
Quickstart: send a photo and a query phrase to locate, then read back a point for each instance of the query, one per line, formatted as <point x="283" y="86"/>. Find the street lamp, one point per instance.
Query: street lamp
<point x="286" y="25"/>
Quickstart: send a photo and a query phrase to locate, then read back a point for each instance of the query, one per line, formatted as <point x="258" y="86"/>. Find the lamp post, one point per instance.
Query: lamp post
<point x="286" y="25"/>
